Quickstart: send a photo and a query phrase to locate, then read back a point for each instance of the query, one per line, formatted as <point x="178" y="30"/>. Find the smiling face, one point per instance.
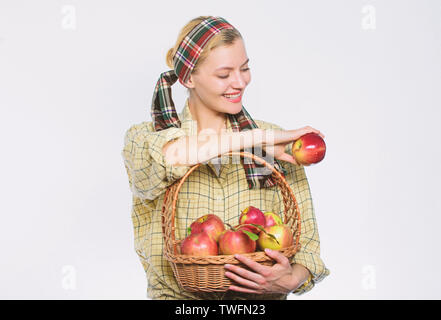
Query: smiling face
<point x="224" y="72"/>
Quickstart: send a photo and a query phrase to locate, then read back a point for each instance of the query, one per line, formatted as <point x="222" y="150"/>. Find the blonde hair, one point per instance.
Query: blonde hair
<point x="225" y="37"/>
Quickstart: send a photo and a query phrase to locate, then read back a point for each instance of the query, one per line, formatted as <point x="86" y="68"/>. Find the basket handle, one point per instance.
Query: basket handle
<point x="286" y="198"/>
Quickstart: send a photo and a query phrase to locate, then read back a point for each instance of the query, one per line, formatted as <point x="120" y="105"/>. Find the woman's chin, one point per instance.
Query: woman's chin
<point x="233" y="108"/>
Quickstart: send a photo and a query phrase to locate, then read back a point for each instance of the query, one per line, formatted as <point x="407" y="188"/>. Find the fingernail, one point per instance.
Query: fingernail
<point x="268" y="250"/>
<point x="227" y="265"/>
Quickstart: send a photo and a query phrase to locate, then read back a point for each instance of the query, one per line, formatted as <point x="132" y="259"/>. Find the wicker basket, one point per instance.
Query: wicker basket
<point x="207" y="274"/>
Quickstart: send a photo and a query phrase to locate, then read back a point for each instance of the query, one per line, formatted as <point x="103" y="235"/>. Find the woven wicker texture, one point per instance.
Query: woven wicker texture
<point x="207" y="274"/>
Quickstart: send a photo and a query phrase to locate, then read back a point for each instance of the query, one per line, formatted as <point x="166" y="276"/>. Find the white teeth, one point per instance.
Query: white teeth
<point x="232" y="97"/>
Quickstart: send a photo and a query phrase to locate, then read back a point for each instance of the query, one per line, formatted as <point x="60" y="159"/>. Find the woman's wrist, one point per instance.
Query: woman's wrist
<point x="300" y="276"/>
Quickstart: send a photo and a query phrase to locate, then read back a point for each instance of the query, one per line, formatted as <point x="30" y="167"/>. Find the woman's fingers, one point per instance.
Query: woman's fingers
<point x="278" y="152"/>
<point x="302" y="131"/>
<point x="242" y="281"/>
<point x="288" y="158"/>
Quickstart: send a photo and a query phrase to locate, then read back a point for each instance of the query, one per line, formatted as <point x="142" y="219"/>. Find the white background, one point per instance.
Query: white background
<point x="75" y="75"/>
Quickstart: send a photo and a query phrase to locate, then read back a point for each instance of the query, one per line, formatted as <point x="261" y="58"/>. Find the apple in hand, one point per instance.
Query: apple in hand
<point x="236" y="241"/>
<point x="283" y="235"/>
<point x="199" y="244"/>
<point x="272" y="219"/>
<point x="252" y="215"/>
<point x="209" y="223"/>
<point x="309" y="149"/>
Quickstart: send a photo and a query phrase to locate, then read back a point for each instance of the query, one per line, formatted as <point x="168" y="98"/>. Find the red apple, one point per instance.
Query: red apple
<point x="250" y="231"/>
<point x="283" y="235"/>
<point x="252" y="215"/>
<point x="236" y="241"/>
<point x="272" y="219"/>
<point x="199" y="244"/>
<point x="309" y="149"/>
<point x="209" y="223"/>
<point x="245" y="228"/>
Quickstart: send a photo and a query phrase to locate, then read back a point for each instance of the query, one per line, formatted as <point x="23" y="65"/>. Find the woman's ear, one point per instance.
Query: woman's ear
<point x="189" y="84"/>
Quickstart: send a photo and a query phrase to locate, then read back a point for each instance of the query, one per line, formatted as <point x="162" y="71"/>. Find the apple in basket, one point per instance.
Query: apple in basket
<point x="252" y="215"/>
<point x="276" y="238"/>
<point x="309" y="149"/>
<point x="272" y="219"/>
<point x="209" y="223"/>
<point x="199" y="244"/>
<point x="237" y="240"/>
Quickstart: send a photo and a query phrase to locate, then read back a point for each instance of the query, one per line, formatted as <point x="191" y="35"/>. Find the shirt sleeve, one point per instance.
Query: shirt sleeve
<point x="309" y="253"/>
<point x="149" y="175"/>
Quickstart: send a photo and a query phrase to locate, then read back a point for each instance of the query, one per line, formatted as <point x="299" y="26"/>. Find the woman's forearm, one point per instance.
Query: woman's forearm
<point x="190" y="150"/>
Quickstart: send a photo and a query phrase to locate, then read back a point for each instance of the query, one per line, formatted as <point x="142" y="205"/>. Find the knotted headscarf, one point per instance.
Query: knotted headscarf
<point x="163" y="110"/>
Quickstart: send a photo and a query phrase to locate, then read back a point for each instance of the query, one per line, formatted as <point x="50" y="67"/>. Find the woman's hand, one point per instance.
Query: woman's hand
<point x="275" y="143"/>
<point x="278" y="278"/>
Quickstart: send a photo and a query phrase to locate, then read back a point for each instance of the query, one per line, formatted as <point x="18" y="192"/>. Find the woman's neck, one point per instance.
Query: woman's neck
<point x="206" y="118"/>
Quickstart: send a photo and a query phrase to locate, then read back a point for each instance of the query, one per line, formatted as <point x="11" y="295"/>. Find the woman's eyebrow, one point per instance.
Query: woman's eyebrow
<point x="230" y="68"/>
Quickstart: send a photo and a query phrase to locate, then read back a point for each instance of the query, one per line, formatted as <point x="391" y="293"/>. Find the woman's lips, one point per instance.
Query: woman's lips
<point x="234" y="100"/>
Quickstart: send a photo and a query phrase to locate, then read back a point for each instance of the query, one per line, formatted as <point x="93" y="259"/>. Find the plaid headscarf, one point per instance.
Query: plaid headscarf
<point x="163" y="110"/>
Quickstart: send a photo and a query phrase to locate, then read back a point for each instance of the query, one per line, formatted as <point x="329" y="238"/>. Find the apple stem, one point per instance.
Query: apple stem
<point x="258" y="226"/>
<point x="266" y="232"/>
<point x="230" y="226"/>
<point x="250" y="225"/>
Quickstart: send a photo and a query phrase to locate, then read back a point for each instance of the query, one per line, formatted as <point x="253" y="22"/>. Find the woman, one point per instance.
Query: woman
<point x="210" y="60"/>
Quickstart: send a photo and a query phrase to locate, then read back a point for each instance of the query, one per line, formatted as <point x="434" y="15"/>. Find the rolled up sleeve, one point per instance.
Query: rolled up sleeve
<point x="309" y="253"/>
<point x="149" y="174"/>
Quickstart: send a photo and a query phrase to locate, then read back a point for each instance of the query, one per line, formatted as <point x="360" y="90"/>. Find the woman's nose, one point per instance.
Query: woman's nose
<point x="239" y="80"/>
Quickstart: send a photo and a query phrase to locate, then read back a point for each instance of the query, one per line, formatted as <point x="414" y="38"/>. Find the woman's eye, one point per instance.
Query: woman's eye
<point x="224" y="77"/>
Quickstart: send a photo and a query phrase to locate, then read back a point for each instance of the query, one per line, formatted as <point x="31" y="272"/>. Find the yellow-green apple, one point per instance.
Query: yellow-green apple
<point x="309" y="149"/>
<point x="272" y="219"/>
<point x="252" y="215"/>
<point x="237" y="241"/>
<point x="209" y="223"/>
<point x="199" y="244"/>
<point x="283" y="235"/>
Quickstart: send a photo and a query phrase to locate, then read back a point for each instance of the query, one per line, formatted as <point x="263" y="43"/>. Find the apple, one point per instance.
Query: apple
<point x="209" y="223"/>
<point x="236" y="241"/>
<point x="283" y="235"/>
<point x="272" y="219"/>
<point x="252" y="215"/>
<point x="199" y="244"/>
<point x="245" y="228"/>
<point x="309" y="149"/>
